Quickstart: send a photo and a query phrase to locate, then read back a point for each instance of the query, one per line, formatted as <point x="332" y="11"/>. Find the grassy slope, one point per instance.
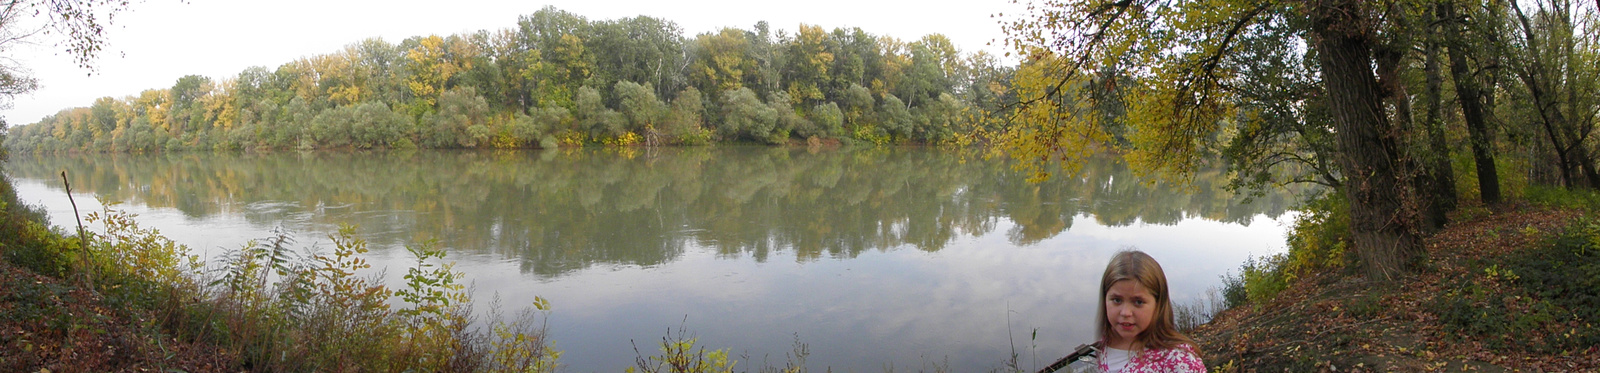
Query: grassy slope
<point x="1332" y="321"/>
<point x="52" y="325"/>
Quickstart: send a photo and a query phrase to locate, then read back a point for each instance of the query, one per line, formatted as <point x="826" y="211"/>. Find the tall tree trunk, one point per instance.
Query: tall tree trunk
<point x="1586" y="163"/>
<point x="1389" y="65"/>
<point x="1472" y="109"/>
<point x="1382" y="206"/>
<point x="1442" y="188"/>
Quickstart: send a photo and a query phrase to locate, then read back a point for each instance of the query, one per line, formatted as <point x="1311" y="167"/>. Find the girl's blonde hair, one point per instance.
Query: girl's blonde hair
<point x="1137" y="266"/>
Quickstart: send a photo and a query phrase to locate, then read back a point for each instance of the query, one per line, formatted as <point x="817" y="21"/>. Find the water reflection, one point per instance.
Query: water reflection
<point x="560" y="211"/>
<point x="873" y="256"/>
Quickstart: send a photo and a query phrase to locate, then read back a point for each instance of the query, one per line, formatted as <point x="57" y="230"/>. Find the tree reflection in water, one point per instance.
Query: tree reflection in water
<point x="627" y="242"/>
<point x="558" y="211"/>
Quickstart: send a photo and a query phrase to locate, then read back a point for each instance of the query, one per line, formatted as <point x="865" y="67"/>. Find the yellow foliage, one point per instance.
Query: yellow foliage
<point x="626" y="139"/>
<point x="504" y="140"/>
<point x="571" y="138"/>
<point x="1053" y="127"/>
<point x="429" y="69"/>
<point x="1157" y="63"/>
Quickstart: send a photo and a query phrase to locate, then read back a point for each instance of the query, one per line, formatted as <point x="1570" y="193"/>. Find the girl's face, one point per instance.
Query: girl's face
<point x="1129" y="308"/>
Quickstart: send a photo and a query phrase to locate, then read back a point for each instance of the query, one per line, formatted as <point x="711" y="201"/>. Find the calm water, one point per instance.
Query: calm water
<point x="903" y="257"/>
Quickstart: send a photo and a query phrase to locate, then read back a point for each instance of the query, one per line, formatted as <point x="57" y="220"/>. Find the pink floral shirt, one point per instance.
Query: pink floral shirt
<point x="1180" y="359"/>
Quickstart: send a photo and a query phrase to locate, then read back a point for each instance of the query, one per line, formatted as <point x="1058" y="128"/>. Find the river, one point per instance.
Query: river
<point x="903" y="257"/>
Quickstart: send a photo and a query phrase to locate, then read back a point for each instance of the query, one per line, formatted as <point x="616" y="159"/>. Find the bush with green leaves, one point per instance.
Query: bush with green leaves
<point x="1317" y="242"/>
<point x="27" y="240"/>
<point x="1586" y="199"/>
<point x="1321" y="234"/>
<point x="680" y="355"/>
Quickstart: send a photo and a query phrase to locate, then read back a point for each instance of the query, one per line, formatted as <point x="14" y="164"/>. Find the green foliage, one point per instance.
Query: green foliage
<point x="1506" y="321"/>
<point x="26" y="240"/>
<point x="1566" y="274"/>
<point x="430" y="288"/>
<point x="462" y="120"/>
<point x="1586" y="199"/>
<point x="1545" y="299"/>
<point x="622" y="81"/>
<point x="594" y="117"/>
<point x="787" y="120"/>
<point x="274" y="310"/>
<point x="135" y="261"/>
<point x="520" y="345"/>
<point x="319" y="314"/>
<point x="828" y="120"/>
<point x="685" y="121"/>
<point x="680" y="355"/>
<point x="895" y="118"/>
<point x="937" y="119"/>
<point x="1317" y="242"/>
<point x="1320" y="235"/>
<point x="745" y="116"/>
<point x="1233" y="292"/>
<point x="639" y="105"/>
<point x="1264" y="278"/>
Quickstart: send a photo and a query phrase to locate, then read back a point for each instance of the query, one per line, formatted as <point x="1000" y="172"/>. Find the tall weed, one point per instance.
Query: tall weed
<point x="272" y="308"/>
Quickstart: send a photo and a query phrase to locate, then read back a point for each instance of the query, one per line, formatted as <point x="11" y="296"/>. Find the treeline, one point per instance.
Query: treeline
<point x="558" y="79"/>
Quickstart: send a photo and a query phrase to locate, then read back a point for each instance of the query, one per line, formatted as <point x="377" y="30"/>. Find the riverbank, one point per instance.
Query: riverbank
<point x="1507" y="291"/>
<point x="51" y="325"/>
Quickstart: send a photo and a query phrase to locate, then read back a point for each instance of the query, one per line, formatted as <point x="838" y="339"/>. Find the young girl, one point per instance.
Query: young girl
<point x="1137" y="334"/>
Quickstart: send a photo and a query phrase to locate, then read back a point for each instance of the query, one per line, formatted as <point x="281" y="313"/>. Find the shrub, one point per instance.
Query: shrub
<point x="680" y="355"/>
<point x="135" y="264"/>
<point x="1265" y="277"/>
<point x="1320" y="235"/>
<point x="26" y="240"/>
<point x="1233" y="294"/>
<point x="1317" y="242"/>
<point x="1566" y="273"/>
<point x="1562" y="197"/>
<point x="273" y="309"/>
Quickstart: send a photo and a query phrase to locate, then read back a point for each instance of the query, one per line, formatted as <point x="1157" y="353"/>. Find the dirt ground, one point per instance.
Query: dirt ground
<point x="1337" y="321"/>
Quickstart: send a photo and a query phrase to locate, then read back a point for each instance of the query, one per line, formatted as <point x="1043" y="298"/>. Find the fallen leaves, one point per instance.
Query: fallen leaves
<point x="1327" y="321"/>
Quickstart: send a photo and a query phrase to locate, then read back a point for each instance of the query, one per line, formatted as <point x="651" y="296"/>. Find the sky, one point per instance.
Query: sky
<point x="159" y="41"/>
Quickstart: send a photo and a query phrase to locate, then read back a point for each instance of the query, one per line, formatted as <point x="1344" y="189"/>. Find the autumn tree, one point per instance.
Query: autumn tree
<point x="808" y="82"/>
<point x="429" y="70"/>
<point x="81" y="22"/>
<point x="720" y="60"/>
<point x="809" y="60"/>
<point x="1172" y="68"/>
<point x="1555" y="60"/>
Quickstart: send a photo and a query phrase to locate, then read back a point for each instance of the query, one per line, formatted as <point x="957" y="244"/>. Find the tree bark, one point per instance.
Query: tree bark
<point x="1389" y="65"/>
<point x="1382" y="205"/>
<point x="1442" y="185"/>
<point x="1471" y="99"/>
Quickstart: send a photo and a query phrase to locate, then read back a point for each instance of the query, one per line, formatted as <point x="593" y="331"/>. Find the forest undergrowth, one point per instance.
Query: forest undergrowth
<point x="1507" y="289"/>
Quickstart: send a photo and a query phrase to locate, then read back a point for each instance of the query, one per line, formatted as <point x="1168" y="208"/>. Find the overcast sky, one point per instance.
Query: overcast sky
<point x="161" y="40"/>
